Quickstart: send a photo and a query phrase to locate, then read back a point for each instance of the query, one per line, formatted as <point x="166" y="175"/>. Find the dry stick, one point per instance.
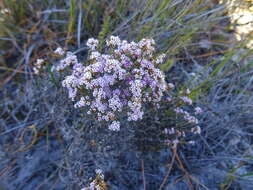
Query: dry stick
<point x="188" y="177"/>
<point x="34" y="140"/>
<point x="199" y="183"/>
<point x="143" y="174"/>
<point x="3" y="171"/>
<point x="17" y="71"/>
<point x="12" y="75"/>
<point x="171" y="165"/>
<point x="204" y="55"/>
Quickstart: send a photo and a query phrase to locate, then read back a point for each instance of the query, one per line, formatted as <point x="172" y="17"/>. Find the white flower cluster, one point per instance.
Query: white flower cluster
<point x="38" y="66"/>
<point x="121" y="80"/>
<point x="115" y="126"/>
<point x="59" y="51"/>
<point x="186" y="100"/>
<point x="70" y="59"/>
<point x="92" y="43"/>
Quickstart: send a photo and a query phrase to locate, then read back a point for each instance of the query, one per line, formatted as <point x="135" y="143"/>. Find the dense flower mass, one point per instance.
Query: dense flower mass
<point x="118" y="83"/>
<point x="122" y="80"/>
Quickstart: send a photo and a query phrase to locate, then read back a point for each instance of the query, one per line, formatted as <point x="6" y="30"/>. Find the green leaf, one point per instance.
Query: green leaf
<point x="247" y="174"/>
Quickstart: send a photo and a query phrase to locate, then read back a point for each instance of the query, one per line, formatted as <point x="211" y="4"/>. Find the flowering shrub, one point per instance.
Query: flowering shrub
<point x="121" y="81"/>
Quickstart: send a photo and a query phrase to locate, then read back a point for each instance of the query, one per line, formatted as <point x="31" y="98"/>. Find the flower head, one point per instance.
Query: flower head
<point x="114" y="126"/>
<point x="92" y="43"/>
<point x="59" y="51"/>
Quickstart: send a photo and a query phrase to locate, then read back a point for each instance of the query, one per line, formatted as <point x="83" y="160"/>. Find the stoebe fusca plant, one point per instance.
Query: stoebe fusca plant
<point x="119" y="82"/>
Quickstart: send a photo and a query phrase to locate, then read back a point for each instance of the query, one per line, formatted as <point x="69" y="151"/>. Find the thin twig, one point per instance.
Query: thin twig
<point x="203" y="55"/>
<point x="143" y="174"/>
<point x="17" y="71"/>
<point x="188" y="177"/>
<point x="34" y="139"/>
<point x="174" y="150"/>
<point x="3" y="171"/>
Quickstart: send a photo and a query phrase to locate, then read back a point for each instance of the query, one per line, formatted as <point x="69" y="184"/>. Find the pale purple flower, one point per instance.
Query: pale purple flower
<point x="70" y="59"/>
<point x="59" y="51"/>
<point x="198" y="110"/>
<point x="171" y="86"/>
<point x="160" y="58"/>
<point x="114" y="41"/>
<point x="127" y="64"/>
<point x="114" y="126"/>
<point x="196" y="130"/>
<point x="186" y="100"/>
<point x="191" y="142"/>
<point x="117" y="92"/>
<point x="169" y="99"/>
<point x="191" y="119"/>
<point x="92" y="43"/>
